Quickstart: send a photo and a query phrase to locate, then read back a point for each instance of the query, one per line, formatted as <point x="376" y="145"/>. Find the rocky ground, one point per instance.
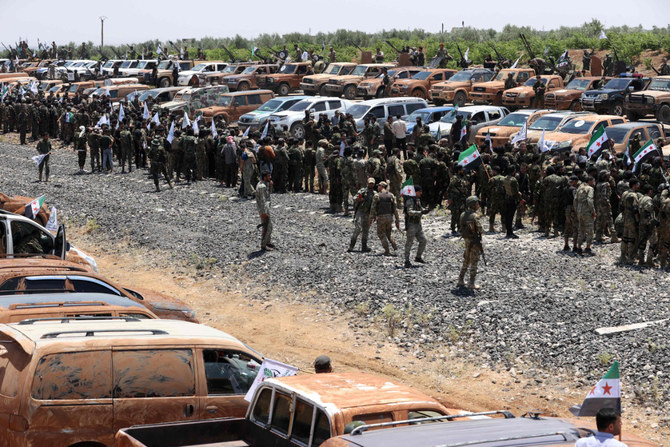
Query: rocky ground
<point x="538" y="307"/>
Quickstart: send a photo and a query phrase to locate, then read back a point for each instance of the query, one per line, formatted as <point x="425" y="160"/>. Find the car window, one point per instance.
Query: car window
<point x="420" y="414"/>
<point x="9" y="373"/>
<point x="333" y="105"/>
<point x="302" y="69"/>
<point x="377" y="111"/>
<point x="411" y="107"/>
<point x="261" y="411"/>
<point x="617" y="121"/>
<point x="654" y="133"/>
<point x="73" y="375"/>
<point x="92" y="285"/>
<point x="254" y="99"/>
<point x="261" y="70"/>
<point x="229" y="372"/>
<point x="3" y="238"/>
<point x="639" y="132"/>
<point x="302" y="421"/>
<point x="438" y="77"/>
<point x="375" y="418"/>
<point x="28" y="238"/>
<point x="321" y="428"/>
<point x="477" y="118"/>
<point x="403" y="75"/>
<point x="153" y="373"/>
<point x="494" y="115"/>
<point x="281" y="413"/>
<point x="522" y="77"/>
<point x="396" y="110"/>
<point x="319" y="106"/>
<point x="44" y="283"/>
<point x="239" y="101"/>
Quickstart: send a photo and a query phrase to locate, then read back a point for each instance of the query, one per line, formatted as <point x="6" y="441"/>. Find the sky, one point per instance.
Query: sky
<point x="129" y="21"/>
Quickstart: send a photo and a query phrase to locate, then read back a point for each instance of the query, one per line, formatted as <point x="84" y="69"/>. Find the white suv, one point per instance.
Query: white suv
<point x="190" y="77"/>
<point x="292" y="118"/>
<point x="479" y="116"/>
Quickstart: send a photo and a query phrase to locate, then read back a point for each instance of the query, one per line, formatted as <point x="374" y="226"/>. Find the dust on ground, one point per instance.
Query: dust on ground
<point x="280" y="325"/>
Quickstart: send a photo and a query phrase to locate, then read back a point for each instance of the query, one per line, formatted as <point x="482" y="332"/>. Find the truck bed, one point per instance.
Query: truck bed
<point x="223" y="432"/>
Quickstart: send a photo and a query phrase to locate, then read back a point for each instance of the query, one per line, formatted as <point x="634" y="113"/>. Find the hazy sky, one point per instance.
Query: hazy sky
<point x="140" y="20"/>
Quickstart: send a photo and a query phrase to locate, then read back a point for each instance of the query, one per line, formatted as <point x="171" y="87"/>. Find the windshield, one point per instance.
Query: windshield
<point x="513" y="120"/>
<point x="73" y="88"/>
<point x="502" y="75"/>
<point x="618" y="84"/>
<point x="660" y="84"/>
<point x="577" y="126"/>
<point x="108" y="64"/>
<point x="358" y="110"/>
<point x="77" y="65"/>
<point x="300" y="106"/>
<point x="249" y="70"/>
<point x="451" y="117"/>
<point x="142" y="64"/>
<point x="223" y="101"/>
<point x="359" y="70"/>
<point x="578" y="84"/>
<point x="230" y="69"/>
<point x="54" y="89"/>
<point x="422" y="75"/>
<point x="333" y="69"/>
<point x="288" y="69"/>
<point x="164" y="65"/>
<point x="270" y="106"/>
<point x="142" y="96"/>
<point x="617" y="134"/>
<point x="424" y="115"/>
<point x="100" y="92"/>
<point x="531" y="82"/>
<point x="186" y="97"/>
<point x="461" y="76"/>
<point x="126" y="64"/>
<point x="200" y="67"/>
<point x="546" y="123"/>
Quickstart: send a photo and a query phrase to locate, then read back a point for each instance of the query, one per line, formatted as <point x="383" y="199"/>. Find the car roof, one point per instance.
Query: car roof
<point x="564" y="113"/>
<point x="288" y="98"/>
<point x="350" y="390"/>
<point x="634" y="125"/>
<point x="526" y="111"/>
<point x="400" y="99"/>
<point x="32" y="298"/>
<point x="247" y="92"/>
<point x="158" y="330"/>
<point x="487" y="431"/>
<point x="435" y="109"/>
<point x="475" y="109"/>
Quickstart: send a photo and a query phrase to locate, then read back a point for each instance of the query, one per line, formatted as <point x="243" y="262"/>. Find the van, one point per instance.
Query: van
<point x="383" y="108"/>
<point x="232" y="105"/>
<point x="77" y="381"/>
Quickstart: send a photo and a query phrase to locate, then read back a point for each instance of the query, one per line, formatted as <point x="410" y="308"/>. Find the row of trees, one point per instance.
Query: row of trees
<point x="629" y="42"/>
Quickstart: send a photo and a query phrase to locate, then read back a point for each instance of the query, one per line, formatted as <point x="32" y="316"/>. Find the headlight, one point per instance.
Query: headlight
<point x="270" y="80"/>
<point x="563" y="144"/>
<point x="256" y="120"/>
<point x="648" y="100"/>
<point x="523" y="94"/>
<point x="603" y="96"/>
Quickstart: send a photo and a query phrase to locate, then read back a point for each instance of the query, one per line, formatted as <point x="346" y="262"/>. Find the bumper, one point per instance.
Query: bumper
<point x="561" y="104"/>
<point x="334" y="89"/>
<point x="366" y="91"/>
<point x="517" y="102"/>
<point x="495" y="141"/>
<point x="310" y="88"/>
<point x="251" y="126"/>
<point x="640" y="109"/>
<point x="482" y="97"/>
<point x="594" y="105"/>
<point x="444" y="95"/>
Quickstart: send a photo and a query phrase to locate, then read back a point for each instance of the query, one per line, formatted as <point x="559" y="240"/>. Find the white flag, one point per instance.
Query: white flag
<point x="158" y="50"/>
<point x="563" y="56"/>
<point x="602" y="35"/>
<point x="196" y="129"/>
<point x="544" y="146"/>
<point x="170" y="136"/>
<point x="246" y="132"/>
<point x="522" y="134"/>
<point x="464" y="131"/>
<point x="305" y="56"/>
<point x="33" y="87"/>
<point x="102" y="120"/>
<point x="270" y="369"/>
<point x="145" y="114"/>
<point x="186" y="122"/>
<point x="155" y="119"/>
<point x="516" y="62"/>
<point x="122" y="113"/>
<point x="38" y="158"/>
<point x="52" y="224"/>
<point x="265" y="131"/>
<point x="467" y="51"/>
<point x="215" y="134"/>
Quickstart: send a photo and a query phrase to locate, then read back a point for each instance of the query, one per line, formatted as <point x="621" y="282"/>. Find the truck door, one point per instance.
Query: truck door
<point x="153" y="385"/>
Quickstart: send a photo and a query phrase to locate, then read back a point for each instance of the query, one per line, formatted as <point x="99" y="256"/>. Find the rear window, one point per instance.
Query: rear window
<point x="281" y="414"/>
<point x="85" y="285"/>
<point x="45" y="284"/>
<point x="73" y="375"/>
<point x="414" y="106"/>
<point x="262" y="407"/>
<point x="153" y="373"/>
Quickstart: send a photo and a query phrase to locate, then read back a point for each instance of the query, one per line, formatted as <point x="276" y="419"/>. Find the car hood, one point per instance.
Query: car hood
<point x="560" y="136"/>
<point x="319" y="77"/>
<point x="521" y="89"/>
<point x="652" y="93"/>
<point x="279" y="75"/>
<point x="286" y="113"/>
<point x="189" y="73"/>
<point x="208" y="111"/>
<point x="601" y="91"/>
<point x="498" y="131"/>
<point x="566" y="92"/>
<point x="348" y="78"/>
<point x="401" y="82"/>
<point x="237" y="77"/>
<point x="445" y="128"/>
<point x="255" y="114"/>
<point x="173" y="104"/>
<point x="453" y="85"/>
<point x="490" y="84"/>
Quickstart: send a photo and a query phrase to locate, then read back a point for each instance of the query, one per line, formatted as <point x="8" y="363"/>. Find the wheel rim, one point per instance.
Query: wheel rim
<point x="322" y="91"/>
<point x="243" y="86"/>
<point x="298" y="132"/>
<point x="350" y="92"/>
<point x="576" y="106"/>
<point x="418" y="94"/>
<point x="283" y="90"/>
<point x="165" y="82"/>
<point x="664" y="114"/>
<point x="618" y="110"/>
<point x="459" y="100"/>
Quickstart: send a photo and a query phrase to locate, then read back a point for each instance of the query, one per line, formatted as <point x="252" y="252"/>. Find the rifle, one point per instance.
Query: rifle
<point x="527" y="46"/>
<point x="463" y="63"/>
<point x="231" y="55"/>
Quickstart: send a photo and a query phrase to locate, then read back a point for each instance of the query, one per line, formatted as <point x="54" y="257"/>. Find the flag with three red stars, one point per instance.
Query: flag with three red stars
<point x="606" y="394"/>
<point x="595" y="146"/>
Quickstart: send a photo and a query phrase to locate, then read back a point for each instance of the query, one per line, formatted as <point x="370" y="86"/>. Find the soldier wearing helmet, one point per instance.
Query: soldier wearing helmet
<point x="471" y="232"/>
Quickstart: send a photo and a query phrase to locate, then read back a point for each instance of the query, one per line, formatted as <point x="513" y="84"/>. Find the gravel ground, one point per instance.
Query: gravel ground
<point x="537" y="305"/>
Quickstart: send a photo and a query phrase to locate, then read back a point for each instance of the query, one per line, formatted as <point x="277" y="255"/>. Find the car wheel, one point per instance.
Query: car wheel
<point x="243" y="86"/>
<point x="350" y="92"/>
<point x="498" y="100"/>
<point x="298" y="130"/>
<point x="616" y="109"/>
<point x="634" y="116"/>
<point x="380" y="92"/>
<point x="164" y="82"/>
<point x="438" y="102"/>
<point x="284" y="89"/>
<point x="418" y="93"/>
<point x="663" y="114"/>
<point x="193" y="81"/>
<point x="322" y="90"/>
<point x="459" y="99"/>
<point x="576" y="106"/>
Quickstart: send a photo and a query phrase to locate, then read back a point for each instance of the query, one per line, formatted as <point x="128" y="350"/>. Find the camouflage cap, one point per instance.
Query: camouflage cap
<point x="323" y="142"/>
<point x="371" y="180"/>
<point x="383" y="184"/>
<point x="471" y="201"/>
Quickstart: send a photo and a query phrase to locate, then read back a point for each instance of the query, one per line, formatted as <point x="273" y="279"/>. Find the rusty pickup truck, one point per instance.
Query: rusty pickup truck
<point x="303" y="410"/>
<point x="287" y="79"/>
<point x="491" y="92"/>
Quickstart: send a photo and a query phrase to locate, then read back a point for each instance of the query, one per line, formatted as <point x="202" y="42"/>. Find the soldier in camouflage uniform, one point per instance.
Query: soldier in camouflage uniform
<point x="189" y="143"/>
<point x="552" y="185"/>
<point x="374" y="166"/>
<point x="308" y="166"/>
<point x="570" y="228"/>
<point x="280" y="171"/>
<point x="362" y="207"/>
<point x="384" y="209"/>
<point x="604" y="221"/>
<point x="512" y="198"/>
<point x="497" y="198"/>
<point x="94" y="148"/>
<point x="646" y="227"/>
<point x="348" y="180"/>
<point x="413" y="228"/>
<point x="158" y="158"/>
<point x="471" y="232"/>
<point x="360" y="168"/>
<point x="459" y="189"/>
<point x="249" y="171"/>
<point x="201" y="159"/>
<point x="80" y="147"/>
<point x="263" y="205"/>
<point x="295" y="161"/>
<point x="321" y="157"/>
<point x="586" y="213"/>
<point x="394" y="172"/>
<point x="126" y="147"/>
<point x="664" y="229"/>
<point x="631" y="217"/>
<point x="334" y="165"/>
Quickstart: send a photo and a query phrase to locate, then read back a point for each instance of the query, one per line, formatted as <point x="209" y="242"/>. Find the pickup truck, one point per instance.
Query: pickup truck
<point x="568" y="98"/>
<point x="456" y="89"/>
<point x="419" y="85"/>
<point x="313" y="84"/>
<point x="655" y="100"/>
<point x="374" y="88"/>
<point x="303" y="410"/>
<point x="286" y="80"/>
<point x="523" y="96"/>
<point x="491" y="92"/>
<point x="610" y="98"/>
<point x="347" y="85"/>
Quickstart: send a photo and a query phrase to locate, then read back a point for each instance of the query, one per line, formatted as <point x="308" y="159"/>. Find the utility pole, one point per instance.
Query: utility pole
<point x="102" y="31"/>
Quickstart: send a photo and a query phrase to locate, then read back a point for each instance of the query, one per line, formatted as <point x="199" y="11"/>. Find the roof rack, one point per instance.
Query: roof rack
<point x="29" y="291"/>
<point x="566" y="437"/>
<point x="360" y="429"/>
<point x="92" y="332"/>
<point x="57" y="304"/>
<point x="68" y="319"/>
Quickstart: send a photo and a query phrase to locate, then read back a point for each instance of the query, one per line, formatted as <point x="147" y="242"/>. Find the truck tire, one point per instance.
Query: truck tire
<point x="634" y="116"/>
<point x="322" y="90"/>
<point x="576" y="106"/>
<point x="498" y="100"/>
<point x="418" y="93"/>
<point x="380" y="92"/>
<point x="243" y="86"/>
<point x="663" y="114"/>
<point x="298" y="130"/>
<point x="438" y="102"/>
<point x="164" y="82"/>
<point x="616" y="108"/>
<point x="283" y="89"/>
<point x="350" y="92"/>
<point x="459" y="99"/>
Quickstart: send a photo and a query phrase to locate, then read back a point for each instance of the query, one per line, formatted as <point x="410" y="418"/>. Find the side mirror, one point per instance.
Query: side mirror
<point x="61" y="245"/>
